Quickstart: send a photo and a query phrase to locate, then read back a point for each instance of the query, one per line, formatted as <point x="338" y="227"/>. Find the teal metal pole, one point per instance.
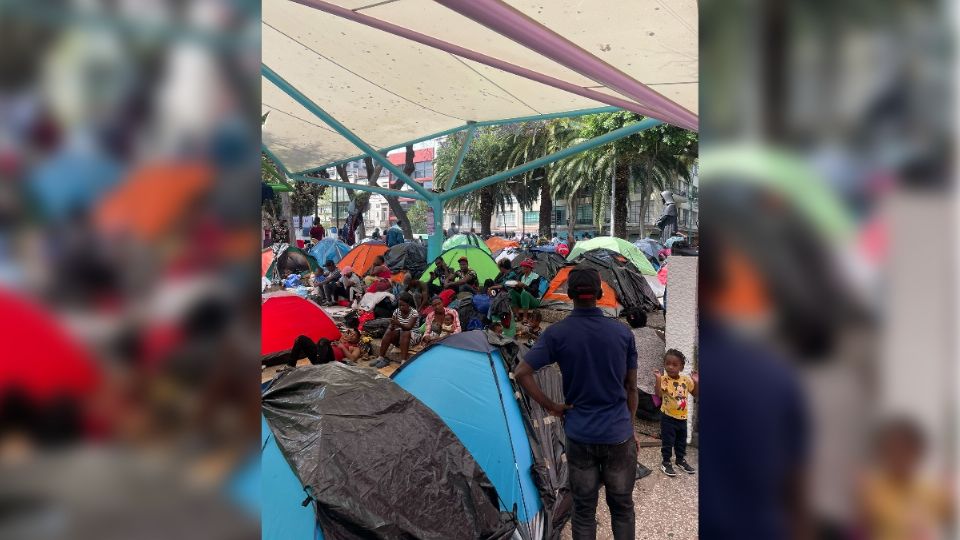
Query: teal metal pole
<point x="323" y="115"/>
<point x="485" y="123"/>
<point x="625" y="131"/>
<point x="435" y="240"/>
<point x="358" y="187"/>
<point x="275" y="159"/>
<point x="464" y="148"/>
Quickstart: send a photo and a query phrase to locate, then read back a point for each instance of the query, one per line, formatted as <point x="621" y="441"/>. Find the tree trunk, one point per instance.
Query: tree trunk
<point x="287" y="213"/>
<point x="572" y="218"/>
<point x="546" y="209"/>
<point x="644" y="204"/>
<point x="622" y="189"/>
<point x="487" y="208"/>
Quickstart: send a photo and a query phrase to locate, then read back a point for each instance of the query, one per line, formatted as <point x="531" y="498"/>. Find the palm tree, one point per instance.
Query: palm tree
<point x="530" y="141"/>
<point x="571" y="177"/>
<point x="487" y="155"/>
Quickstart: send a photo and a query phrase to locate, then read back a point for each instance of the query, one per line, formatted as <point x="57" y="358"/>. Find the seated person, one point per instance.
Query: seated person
<point x="439" y="312"/>
<point x="379" y="270"/>
<point x="326" y="282"/>
<point x="349" y="286"/>
<point x="461" y="280"/>
<point x="438" y="329"/>
<point x="525" y="295"/>
<point x="530" y="330"/>
<point x="399" y="332"/>
<point x="347" y="348"/>
<point x="419" y="291"/>
<point x="438" y="276"/>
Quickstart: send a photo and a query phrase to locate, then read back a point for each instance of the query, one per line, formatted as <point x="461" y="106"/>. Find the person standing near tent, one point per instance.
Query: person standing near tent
<point x="394" y="234"/>
<point x="317" y="232"/>
<point x="598" y="359"/>
<point x="453" y="230"/>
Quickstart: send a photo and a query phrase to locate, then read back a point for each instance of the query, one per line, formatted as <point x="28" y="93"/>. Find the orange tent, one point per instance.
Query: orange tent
<point x="496" y="243"/>
<point x="266" y="259"/>
<point x="153" y="198"/>
<point x="556" y="295"/>
<point x="361" y="257"/>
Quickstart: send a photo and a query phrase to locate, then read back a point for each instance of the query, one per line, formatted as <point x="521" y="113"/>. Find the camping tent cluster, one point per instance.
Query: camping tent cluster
<point x="478" y="460"/>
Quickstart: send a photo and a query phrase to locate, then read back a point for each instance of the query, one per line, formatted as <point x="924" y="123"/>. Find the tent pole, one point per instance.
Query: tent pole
<point x="323" y="115"/>
<point x="620" y="133"/>
<point x="435" y="240"/>
<point x="464" y="148"/>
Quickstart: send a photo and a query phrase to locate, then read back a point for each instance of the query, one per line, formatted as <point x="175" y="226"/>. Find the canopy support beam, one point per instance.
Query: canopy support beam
<point x="323" y="115"/>
<point x="462" y="52"/>
<point x="482" y="123"/>
<point x="513" y="24"/>
<point x="464" y="148"/>
<point x="435" y="240"/>
<point x="625" y="131"/>
<point x="358" y="187"/>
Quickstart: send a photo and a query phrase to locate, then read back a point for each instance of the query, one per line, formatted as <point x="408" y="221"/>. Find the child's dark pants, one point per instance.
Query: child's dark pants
<point x="673" y="436"/>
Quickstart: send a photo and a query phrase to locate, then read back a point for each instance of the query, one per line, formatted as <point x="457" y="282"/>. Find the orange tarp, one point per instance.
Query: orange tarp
<point x="496" y="243"/>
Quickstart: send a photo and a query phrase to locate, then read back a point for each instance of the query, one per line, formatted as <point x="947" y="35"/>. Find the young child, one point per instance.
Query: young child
<point x="530" y="330"/>
<point x="447" y="327"/>
<point x="673" y="389"/>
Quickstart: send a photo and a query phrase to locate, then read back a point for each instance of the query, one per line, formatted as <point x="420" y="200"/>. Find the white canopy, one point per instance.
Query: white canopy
<point x="388" y="89"/>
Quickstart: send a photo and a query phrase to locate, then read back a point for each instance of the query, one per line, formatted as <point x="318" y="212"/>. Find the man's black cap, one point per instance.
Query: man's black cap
<point x="583" y="283"/>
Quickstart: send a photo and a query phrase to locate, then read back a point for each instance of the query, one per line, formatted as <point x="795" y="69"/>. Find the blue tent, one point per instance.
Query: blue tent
<point x="328" y="249"/>
<point x="282" y="516"/>
<point x="464" y="380"/>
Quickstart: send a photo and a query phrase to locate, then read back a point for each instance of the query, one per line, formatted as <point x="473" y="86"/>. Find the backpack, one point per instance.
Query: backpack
<point x="500" y="305"/>
<point x="470" y="318"/>
<point x="376" y="328"/>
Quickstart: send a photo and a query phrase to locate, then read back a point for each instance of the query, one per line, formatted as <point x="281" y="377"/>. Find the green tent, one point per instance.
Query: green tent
<point x="619" y="245"/>
<point x="466" y="240"/>
<point x="271" y="269"/>
<point x="479" y="261"/>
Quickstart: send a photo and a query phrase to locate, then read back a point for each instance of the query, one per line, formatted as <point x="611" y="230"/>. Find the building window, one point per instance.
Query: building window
<point x="506" y="219"/>
<point x="424" y="169"/>
<point x="633" y="212"/>
<point x="531" y="217"/>
<point x="585" y="214"/>
<point x="559" y="215"/>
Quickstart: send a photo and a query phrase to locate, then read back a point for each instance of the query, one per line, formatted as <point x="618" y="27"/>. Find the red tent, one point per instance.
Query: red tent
<point x="39" y="357"/>
<point x="283" y="317"/>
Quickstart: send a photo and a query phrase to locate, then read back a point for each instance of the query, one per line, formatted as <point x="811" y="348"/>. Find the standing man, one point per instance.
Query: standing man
<point x="394" y="234"/>
<point x="453" y="230"/>
<point x="598" y="359"/>
<point x="317" y="232"/>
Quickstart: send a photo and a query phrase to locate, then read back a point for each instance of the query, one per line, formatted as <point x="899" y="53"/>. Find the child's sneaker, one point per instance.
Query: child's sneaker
<point x="667" y="469"/>
<point x="685" y="467"/>
<point x="380" y="363"/>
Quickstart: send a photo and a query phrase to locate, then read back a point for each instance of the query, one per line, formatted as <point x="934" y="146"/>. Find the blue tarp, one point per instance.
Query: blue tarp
<point x="328" y="249"/>
<point x="282" y="516"/>
<point x="476" y="401"/>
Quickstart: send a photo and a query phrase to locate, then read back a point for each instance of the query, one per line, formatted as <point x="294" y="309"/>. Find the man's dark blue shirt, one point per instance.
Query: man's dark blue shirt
<point x="594" y="354"/>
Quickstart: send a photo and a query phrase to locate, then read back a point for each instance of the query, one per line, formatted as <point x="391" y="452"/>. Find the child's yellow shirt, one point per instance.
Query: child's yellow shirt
<point x="674" y="393"/>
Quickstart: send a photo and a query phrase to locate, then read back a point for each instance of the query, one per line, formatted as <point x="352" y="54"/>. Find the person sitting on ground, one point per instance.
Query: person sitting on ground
<point x="419" y="291"/>
<point x="304" y="349"/>
<point x="347" y="347"/>
<point x="327" y="282"/>
<point x="377" y="271"/>
<point x="461" y="279"/>
<point x="349" y="286"/>
<point x="402" y="323"/>
<point x="496" y="327"/>
<point x="439" y="312"/>
<point x="439" y="329"/>
<point x="530" y="330"/>
<point x="481" y="300"/>
<point x="524" y="296"/>
<point x="674" y="389"/>
<point x="439" y="275"/>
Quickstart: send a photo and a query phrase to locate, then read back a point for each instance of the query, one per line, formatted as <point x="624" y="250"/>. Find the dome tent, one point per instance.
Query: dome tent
<point x="477" y="259"/>
<point x="512" y="438"/>
<point x="556" y="295"/>
<point x="408" y="257"/>
<point x="618" y="245"/>
<point x="328" y="249"/>
<point x="343" y="430"/>
<point x="362" y="256"/>
<point x="285" y="256"/>
<point x="467" y="239"/>
<point x="285" y="316"/>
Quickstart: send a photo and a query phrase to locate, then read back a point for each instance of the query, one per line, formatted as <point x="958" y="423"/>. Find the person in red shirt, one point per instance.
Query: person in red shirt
<point x="317" y="232"/>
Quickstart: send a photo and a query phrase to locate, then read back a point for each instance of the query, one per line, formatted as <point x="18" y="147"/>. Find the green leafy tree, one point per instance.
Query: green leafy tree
<point x="417" y="215"/>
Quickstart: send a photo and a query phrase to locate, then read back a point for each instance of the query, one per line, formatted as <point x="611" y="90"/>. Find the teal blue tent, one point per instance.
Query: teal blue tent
<point x="465" y="381"/>
<point x="282" y="516"/>
<point x="330" y="249"/>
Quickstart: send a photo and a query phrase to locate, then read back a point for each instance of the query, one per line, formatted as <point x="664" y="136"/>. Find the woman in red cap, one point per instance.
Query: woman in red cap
<point x="525" y="295"/>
